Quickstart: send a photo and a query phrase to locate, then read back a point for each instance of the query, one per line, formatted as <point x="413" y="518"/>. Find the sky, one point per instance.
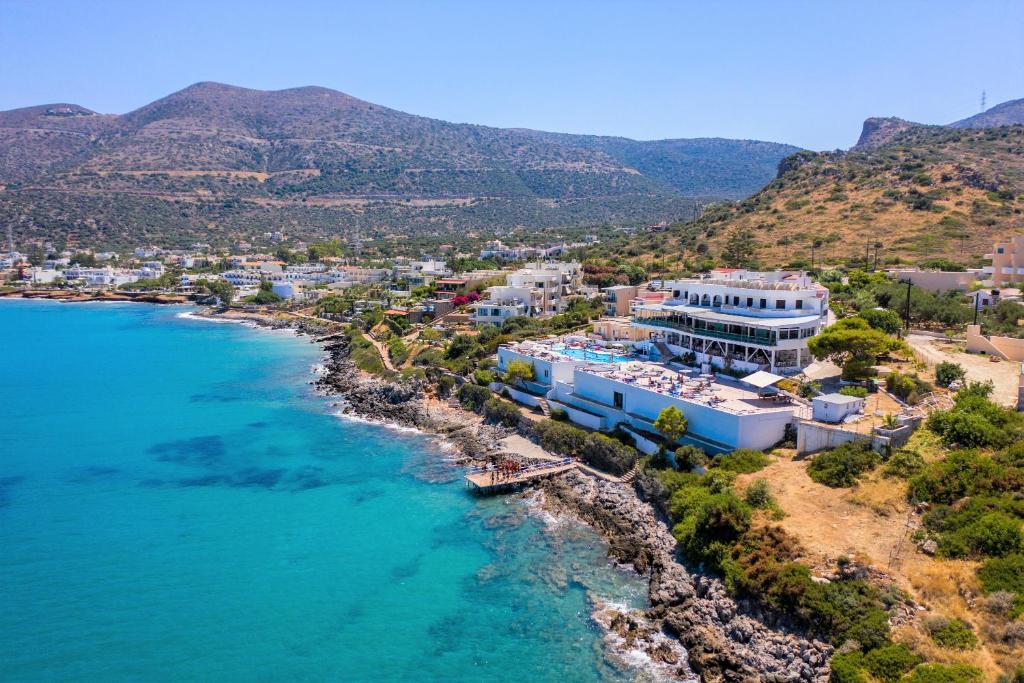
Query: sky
<point x="805" y="73"/>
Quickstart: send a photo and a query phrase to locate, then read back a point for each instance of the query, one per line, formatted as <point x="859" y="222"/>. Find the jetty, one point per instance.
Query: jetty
<point x="491" y="479"/>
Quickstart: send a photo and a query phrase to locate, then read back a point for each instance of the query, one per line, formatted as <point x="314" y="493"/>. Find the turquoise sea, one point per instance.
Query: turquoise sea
<point x="177" y="504"/>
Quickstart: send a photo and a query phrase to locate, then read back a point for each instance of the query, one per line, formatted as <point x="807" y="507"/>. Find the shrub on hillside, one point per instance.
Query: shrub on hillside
<point x="445" y="384"/>
<point x="605" y="453"/>
<point x="484" y="377"/>
<point x="993" y="534"/>
<point x="962" y="473"/>
<point x="977" y="422"/>
<point x="856" y="392"/>
<point x="715" y="524"/>
<point x="690" y="457"/>
<point x="908" y="387"/>
<point x="741" y="461"/>
<point x="842" y="466"/>
<point x="561" y="437"/>
<point x="951" y="633"/>
<point x="890" y="662"/>
<point x="472" y="397"/>
<point x="944" y="673"/>
<point x="758" y="494"/>
<point x="502" y="412"/>
<point x="1004" y="575"/>
<point x="903" y="464"/>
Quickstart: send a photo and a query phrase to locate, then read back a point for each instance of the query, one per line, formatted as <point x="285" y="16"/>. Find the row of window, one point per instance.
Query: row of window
<point x="717" y="300"/>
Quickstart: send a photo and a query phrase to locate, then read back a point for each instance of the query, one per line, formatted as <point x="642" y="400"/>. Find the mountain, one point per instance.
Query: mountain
<point x="1005" y="114"/>
<point x="215" y="161"/>
<point x="918" y="192"/>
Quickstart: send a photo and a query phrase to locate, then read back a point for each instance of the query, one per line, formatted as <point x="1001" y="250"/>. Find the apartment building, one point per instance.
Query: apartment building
<point x="540" y="289"/>
<point x="1007" y="261"/>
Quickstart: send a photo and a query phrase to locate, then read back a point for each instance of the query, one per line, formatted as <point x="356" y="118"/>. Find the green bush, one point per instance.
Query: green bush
<point x="484" y="377"/>
<point x="943" y="673"/>
<point x="848" y="667"/>
<point x="961" y="473"/>
<point x="977" y="422"/>
<point x="559" y="415"/>
<point x="561" y="437"/>
<point x="605" y="453"/>
<point x="908" y="387"/>
<point x="883" y="319"/>
<point x="842" y="466"/>
<point x="903" y="464"/>
<point x="992" y="535"/>
<point x="472" y="397"/>
<point x="951" y="633"/>
<point x="837" y="610"/>
<point x="690" y="457"/>
<point x="502" y="412"/>
<point x="741" y="461"/>
<point x="890" y="662"/>
<point x="716" y="522"/>
<point x="758" y="494"/>
<point x="857" y="392"/>
<point x="1005" y="574"/>
<point x="948" y="372"/>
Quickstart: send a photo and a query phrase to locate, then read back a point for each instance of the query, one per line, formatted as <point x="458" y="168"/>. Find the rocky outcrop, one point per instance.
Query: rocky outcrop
<point x="722" y="641"/>
<point x="879" y="131"/>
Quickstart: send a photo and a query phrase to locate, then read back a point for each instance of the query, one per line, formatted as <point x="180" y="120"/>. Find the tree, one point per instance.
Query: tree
<point x="671" y="424"/>
<point x="948" y="372"/>
<point x="519" y="371"/>
<point x="266" y="293"/>
<point x="222" y="289"/>
<point x="883" y="319"/>
<point x="855" y="345"/>
<point x="740" y="249"/>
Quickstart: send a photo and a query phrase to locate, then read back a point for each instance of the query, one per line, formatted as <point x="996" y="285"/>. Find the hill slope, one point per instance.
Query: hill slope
<point x="1005" y="114"/>
<point x="215" y="160"/>
<point x="928" y="192"/>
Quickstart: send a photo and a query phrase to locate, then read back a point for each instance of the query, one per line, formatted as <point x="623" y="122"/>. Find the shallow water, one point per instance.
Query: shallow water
<point x="177" y="504"/>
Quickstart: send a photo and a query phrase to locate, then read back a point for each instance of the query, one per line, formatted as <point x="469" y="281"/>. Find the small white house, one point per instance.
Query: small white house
<point x="836" y="407"/>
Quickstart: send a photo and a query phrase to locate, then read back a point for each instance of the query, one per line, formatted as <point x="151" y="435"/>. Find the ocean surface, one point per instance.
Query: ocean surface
<point x="177" y="504"/>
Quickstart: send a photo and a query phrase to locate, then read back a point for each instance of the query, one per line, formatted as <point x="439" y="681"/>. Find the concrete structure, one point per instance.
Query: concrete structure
<point x="1007" y="348"/>
<point x="618" y="330"/>
<point x="741" y="319"/>
<point x="936" y="280"/>
<point x="541" y="289"/>
<point x="1007" y="261"/>
<point x="989" y="297"/>
<point x="617" y="298"/>
<point x="836" y="407"/>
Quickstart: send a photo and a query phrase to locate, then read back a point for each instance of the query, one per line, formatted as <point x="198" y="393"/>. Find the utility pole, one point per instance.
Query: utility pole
<point x="906" y="315"/>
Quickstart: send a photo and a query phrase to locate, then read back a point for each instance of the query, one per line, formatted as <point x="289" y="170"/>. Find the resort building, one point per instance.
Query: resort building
<point x="738" y="319"/>
<point x="617" y="298"/>
<point x="603" y="388"/>
<point x="540" y="289"/>
<point x="1007" y="261"/>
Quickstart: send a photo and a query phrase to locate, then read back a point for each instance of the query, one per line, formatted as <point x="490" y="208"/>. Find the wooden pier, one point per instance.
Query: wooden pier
<point x="490" y="479"/>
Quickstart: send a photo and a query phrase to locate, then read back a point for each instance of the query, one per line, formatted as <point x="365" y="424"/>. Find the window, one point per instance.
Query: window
<point x="999" y="250"/>
<point x="675" y="294"/>
<point x="545" y="374"/>
<point x="750" y="302"/>
<point x="735" y="301"/>
<point x="780" y="304"/>
<point x="799" y="303"/>
<point x="789" y="333"/>
<point x="764" y="303"/>
<point x="617" y="399"/>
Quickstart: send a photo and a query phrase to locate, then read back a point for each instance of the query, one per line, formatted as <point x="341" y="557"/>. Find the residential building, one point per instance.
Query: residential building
<point x="617" y="298"/>
<point x="1007" y="261"/>
<point x="541" y="289"/>
<point x="936" y="280"/>
<point x="740" y="319"/>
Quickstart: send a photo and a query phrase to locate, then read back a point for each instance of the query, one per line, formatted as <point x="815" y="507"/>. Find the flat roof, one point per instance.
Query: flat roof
<point x="709" y="314"/>
<point x="761" y="379"/>
<point x="837" y="398"/>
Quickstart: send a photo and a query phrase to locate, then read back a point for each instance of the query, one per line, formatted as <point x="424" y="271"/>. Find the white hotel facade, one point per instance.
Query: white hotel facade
<point x="540" y="289"/>
<point x="741" y="319"/>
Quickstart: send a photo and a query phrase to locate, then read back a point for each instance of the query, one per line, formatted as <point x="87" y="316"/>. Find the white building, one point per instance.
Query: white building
<point x="101" y="277"/>
<point x="741" y="319"/>
<point x="540" y="289"/>
<point x="836" y="407"/>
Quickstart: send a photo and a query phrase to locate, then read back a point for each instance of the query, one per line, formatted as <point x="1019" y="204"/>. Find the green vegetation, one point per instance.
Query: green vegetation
<point x="741" y="461"/>
<point x="518" y="371"/>
<point x="671" y="424"/>
<point x="883" y="319"/>
<point x="948" y="372"/>
<point x="1005" y="575"/>
<point x="501" y="412"/>
<point x="953" y="634"/>
<point x="363" y="353"/>
<point x="856" y="392"/>
<point x="689" y="457"/>
<point x="888" y="663"/>
<point x="903" y="464"/>
<point x="908" y="387"/>
<point x="853" y="344"/>
<point x="944" y="673"/>
<point x="843" y="466"/>
<point x="977" y="422"/>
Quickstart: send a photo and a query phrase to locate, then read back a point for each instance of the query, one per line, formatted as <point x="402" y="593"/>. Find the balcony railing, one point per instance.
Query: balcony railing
<point x="768" y="339"/>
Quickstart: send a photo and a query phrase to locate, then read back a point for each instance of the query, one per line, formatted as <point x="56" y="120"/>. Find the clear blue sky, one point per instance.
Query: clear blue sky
<point x="806" y="73"/>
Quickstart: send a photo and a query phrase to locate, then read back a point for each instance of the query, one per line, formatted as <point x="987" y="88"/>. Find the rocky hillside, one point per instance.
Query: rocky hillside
<point x="215" y="160"/>
<point x="920" y="192"/>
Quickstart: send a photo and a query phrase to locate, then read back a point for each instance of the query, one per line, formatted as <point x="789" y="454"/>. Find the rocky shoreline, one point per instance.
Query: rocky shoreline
<point x="73" y="296"/>
<point x="692" y="626"/>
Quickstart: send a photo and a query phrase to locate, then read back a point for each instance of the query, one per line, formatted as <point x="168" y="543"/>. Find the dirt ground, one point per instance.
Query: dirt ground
<point x="1004" y="374"/>
<point x="832" y="522"/>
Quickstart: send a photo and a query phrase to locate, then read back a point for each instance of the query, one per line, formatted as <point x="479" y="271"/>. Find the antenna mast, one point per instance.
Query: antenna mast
<point x="983" y="100"/>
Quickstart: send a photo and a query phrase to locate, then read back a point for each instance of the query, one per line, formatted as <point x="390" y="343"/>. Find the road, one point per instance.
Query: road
<point x="1003" y="374"/>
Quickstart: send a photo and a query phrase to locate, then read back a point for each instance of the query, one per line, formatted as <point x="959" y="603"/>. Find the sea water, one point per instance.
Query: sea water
<point x="177" y="504"/>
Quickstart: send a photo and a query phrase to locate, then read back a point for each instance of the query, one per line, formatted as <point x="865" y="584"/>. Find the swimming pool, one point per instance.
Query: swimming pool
<point x="595" y="356"/>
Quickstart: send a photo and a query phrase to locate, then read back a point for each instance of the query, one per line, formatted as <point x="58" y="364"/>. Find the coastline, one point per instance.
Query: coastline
<point x="72" y="296"/>
<point x="692" y="626"/>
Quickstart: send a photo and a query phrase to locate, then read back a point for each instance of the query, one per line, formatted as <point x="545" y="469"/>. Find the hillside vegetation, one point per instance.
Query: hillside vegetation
<point x="928" y="192"/>
<point x="214" y="160"/>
